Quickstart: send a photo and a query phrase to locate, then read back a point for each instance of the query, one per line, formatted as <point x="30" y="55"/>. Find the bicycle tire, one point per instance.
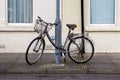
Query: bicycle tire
<point x="81" y="55"/>
<point x="35" y="50"/>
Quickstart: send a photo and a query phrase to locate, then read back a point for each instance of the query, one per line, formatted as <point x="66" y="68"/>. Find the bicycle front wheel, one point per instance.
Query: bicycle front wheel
<point x="80" y="49"/>
<point x="35" y="50"/>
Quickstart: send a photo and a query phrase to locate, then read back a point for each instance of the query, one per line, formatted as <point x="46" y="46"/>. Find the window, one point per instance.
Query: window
<point x="20" y="11"/>
<point x="102" y="11"/>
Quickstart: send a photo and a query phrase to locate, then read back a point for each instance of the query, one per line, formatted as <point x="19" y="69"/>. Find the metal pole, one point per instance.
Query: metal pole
<point x="58" y="32"/>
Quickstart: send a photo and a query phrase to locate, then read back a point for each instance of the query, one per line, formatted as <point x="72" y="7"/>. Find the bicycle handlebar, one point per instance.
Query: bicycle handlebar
<point x="51" y="24"/>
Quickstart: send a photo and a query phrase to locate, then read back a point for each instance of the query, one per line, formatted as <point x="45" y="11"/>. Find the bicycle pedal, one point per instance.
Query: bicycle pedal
<point x="35" y="51"/>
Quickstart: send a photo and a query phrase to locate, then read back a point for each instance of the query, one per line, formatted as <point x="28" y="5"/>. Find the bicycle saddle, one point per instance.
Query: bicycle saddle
<point x="71" y="26"/>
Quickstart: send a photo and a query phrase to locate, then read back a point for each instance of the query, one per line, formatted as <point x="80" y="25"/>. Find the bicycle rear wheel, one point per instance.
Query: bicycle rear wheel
<point x="35" y="50"/>
<point x="81" y="50"/>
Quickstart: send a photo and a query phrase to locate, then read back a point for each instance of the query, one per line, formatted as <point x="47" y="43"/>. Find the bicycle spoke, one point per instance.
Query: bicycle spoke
<point x="83" y="53"/>
<point x="35" y="51"/>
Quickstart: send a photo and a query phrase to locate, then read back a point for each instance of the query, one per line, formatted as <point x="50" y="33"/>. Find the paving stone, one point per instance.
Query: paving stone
<point x="100" y="63"/>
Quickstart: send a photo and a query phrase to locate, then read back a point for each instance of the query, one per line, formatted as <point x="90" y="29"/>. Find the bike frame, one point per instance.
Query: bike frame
<point x="61" y="48"/>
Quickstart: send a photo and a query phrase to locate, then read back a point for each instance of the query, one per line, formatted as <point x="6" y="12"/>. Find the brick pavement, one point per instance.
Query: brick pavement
<point x="100" y="63"/>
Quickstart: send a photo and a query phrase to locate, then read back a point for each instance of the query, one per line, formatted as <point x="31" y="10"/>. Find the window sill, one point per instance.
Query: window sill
<point x="105" y="28"/>
<point x="16" y="28"/>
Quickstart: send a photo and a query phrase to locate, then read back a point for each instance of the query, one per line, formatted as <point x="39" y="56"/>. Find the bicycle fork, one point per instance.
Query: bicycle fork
<point x="38" y="44"/>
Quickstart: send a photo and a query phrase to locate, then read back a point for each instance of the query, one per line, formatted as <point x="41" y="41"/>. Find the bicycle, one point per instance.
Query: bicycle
<point x="79" y="48"/>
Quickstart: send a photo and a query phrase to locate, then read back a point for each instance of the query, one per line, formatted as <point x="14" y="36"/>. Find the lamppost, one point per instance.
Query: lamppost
<point x="58" y="32"/>
<point x="58" y="28"/>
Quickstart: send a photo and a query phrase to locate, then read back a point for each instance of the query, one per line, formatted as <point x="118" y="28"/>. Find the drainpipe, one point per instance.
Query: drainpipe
<point x="58" y="32"/>
<point x="82" y="17"/>
<point x="82" y="25"/>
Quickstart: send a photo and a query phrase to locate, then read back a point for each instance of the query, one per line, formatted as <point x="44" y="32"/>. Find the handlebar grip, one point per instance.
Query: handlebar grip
<point x="55" y="24"/>
<point x="46" y="22"/>
<point x="39" y="17"/>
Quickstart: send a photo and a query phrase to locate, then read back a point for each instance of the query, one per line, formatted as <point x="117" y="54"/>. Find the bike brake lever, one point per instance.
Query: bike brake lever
<point x="55" y="24"/>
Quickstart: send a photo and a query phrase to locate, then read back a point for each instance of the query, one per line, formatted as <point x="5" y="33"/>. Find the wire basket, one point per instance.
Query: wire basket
<point x="39" y="27"/>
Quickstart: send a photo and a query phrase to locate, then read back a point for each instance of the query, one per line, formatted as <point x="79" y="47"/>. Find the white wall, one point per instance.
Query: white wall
<point x="15" y="41"/>
<point x="107" y="42"/>
<point x="2" y="12"/>
<point x="105" y="39"/>
<point x="70" y="15"/>
<point x="16" y="37"/>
